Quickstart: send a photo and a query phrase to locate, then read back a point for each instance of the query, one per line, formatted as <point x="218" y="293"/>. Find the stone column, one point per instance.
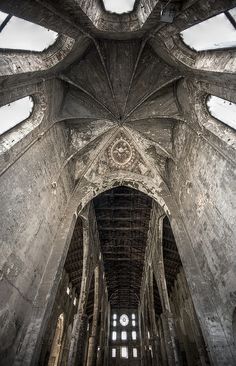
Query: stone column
<point x="155" y="339"/>
<point x="146" y="353"/>
<point x="167" y="317"/>
<point x="101" y="343"/>
<point x="79" y="318"/>
<point x="107" y="333"/>
<point x="92" y="346"/>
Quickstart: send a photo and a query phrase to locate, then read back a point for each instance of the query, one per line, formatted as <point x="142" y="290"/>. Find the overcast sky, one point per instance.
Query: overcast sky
<point x="223" y="110"/>
<point x="20" y="34"/>
<point x="15" y="112"/>
<point x="119" y="6"/>
<point x="216" y="32"/>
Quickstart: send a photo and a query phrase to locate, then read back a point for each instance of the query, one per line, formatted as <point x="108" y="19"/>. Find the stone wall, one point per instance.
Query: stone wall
<point x="203" y="183"/>
<point x="31" y="209"/>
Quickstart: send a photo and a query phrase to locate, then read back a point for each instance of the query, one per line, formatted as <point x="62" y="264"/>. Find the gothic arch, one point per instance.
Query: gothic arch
<point x="19" y="62"/>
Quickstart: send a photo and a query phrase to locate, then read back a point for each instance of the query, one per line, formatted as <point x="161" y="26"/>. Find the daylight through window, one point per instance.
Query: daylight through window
<point x="223" y="110"/>
<point x="15" y="112"/>
<point x="17" y="33"/>
<point x="214" y="33"/>
<point x="124" y="352"/>
<point x="119" y="6"/>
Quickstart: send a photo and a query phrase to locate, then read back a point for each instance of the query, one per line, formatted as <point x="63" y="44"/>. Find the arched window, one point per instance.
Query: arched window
<point x="15" y="112"/>
<point x="124" y="352"/>
<point x="119" y="6"/>
<point x="124" y="336"/>
<point x="214" y="33"/>
<point x="57" y="342"/>
<point x="114" y="336"/>
<point x="17" y="33"/>
<point x="222" y="110"/>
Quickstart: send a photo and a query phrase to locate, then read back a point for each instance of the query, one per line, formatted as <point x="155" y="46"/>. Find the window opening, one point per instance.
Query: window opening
<point x="119" y="6"/>
<point x="15" y="112"/>
<point x="114" y="323"/>
<point x="124" y="336"/>
<point x="223" y="110"/>
<point x="114" y="336"/>
<point x="133" y="323"/>
<point x="214" y="33"/>
<point x="135" y="352"/>
<point x="133" y="316"/>
<point x="124" y="320"/>
<point x="115" y="316"/>
<point x="124" y="352"/>
<point x="134" y="335"/>
<point x="17" y="33"/>
<point x="113" y="352"/>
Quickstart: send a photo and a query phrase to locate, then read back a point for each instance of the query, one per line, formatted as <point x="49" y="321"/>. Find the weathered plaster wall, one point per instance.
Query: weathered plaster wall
<point x="203" y="183"/>
<point x="30" y="213"/>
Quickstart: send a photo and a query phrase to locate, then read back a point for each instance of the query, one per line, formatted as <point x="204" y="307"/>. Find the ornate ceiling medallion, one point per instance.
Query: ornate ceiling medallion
<point x="121" y="153"/>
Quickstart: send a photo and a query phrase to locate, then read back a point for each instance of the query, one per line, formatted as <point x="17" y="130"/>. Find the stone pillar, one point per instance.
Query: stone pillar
<point x="101" y="343"/>
<point x="141" y="334"/>
<point x="162" y="344"/>
<point x="155" y="339"/>
<point x="107" y="333"/>
<point x="92" y="346"/>
<point x="79" y="319"/>
<point x="147" y="354"/>
<point x="167" y="317"/>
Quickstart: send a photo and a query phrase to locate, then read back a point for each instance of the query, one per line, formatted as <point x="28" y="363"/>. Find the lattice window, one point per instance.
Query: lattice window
<point x="124" y="352"/>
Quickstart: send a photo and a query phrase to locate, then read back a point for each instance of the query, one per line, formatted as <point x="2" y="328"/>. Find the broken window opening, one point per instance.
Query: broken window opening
<point x="119" y="7"/>
<point x="215" y="33"/>
<point x="20" y="34"/>
<point x="14" y="113"/>
<point x="223" y="110"/>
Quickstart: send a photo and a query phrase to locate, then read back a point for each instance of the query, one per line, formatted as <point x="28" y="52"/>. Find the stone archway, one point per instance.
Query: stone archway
<point x="156" y="189"/>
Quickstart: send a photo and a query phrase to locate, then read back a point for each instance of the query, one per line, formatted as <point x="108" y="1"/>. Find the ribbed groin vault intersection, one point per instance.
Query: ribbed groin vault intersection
<point x="117" y="183"/>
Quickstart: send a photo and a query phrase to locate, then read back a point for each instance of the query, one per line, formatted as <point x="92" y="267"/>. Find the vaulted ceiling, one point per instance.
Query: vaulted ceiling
<point x="123" y="216"/>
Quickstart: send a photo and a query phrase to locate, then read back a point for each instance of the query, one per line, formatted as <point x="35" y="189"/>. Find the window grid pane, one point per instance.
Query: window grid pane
<point x="113" y="352"/>
<point x="114" y="336"/>
<point x="135" y="352"/>
<point x="124" y="352"/>
<point x="123" y="336"/>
